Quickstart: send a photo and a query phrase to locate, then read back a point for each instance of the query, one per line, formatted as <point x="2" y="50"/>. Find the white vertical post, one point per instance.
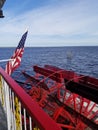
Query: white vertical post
<point x="25" y="119"/>
<point x="8" y="111"/>
<point x="30" y="122"/>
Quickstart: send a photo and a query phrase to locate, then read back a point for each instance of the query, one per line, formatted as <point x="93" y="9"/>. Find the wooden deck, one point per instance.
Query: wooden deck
<point x="3" y="121"/>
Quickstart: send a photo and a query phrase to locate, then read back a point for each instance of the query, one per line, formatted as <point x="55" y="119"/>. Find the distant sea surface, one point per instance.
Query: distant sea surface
<point x="82" y="60"/>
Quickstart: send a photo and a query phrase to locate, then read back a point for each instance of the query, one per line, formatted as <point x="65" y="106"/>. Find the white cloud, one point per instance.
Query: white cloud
<point x="46" y="23"/>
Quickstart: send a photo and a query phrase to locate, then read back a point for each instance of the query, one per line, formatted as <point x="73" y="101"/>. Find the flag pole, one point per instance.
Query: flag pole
<point x="4" y="60"/>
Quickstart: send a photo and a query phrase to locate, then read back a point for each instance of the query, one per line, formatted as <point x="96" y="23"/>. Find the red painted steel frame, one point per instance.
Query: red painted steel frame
<point x="42" y="120"/>
<point x="82" y="117"/>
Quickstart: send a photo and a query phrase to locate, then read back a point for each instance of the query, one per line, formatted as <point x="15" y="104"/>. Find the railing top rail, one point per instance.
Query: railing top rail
<point x="43" y="121"/>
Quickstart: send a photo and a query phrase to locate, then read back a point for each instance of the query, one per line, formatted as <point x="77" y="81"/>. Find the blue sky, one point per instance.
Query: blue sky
<point x="50" y="22"/>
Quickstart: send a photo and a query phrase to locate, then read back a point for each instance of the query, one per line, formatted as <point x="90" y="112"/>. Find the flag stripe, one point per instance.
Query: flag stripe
<point x="16" y="58"/>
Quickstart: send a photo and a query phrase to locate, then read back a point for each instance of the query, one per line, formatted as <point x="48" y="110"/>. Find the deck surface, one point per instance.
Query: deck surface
<point x="3" y="121"/>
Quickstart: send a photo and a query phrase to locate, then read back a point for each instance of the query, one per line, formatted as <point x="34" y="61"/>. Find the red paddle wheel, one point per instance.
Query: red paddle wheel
<point x="70" y="99"/>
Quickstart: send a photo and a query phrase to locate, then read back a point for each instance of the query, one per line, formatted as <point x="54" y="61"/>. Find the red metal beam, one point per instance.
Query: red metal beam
<point x="65" y="74"/>
<point x="56" y="73"/>
<point x="93" y="82"/>
<point x="48" y="73"/>
<point x="78" y="115"/>
<point x="83" y="90"/>
<point x="36" y="82"/>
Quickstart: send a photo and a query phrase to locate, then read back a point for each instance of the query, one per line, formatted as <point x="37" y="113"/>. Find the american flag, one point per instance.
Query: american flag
<point x="15" y="60"/>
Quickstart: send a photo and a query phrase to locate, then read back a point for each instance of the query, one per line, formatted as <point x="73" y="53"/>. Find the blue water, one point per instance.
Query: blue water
<point x="83" y="60"/>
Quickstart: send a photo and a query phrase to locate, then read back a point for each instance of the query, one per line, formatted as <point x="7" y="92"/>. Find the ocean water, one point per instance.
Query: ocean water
<point x="82" y="60"/>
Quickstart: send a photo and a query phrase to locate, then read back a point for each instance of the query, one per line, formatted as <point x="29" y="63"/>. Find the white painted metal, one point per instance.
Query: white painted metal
<point x="25" y="128"/>
<point x="8" y="110"/>
<point x="4" y="60"/>
<point x="30" y="122"/>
